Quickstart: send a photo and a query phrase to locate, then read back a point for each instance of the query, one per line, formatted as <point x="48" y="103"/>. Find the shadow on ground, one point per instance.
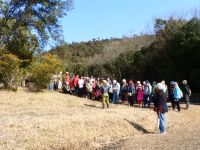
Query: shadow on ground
<point x="138" y="127"/>
<point x="93" y="106"/>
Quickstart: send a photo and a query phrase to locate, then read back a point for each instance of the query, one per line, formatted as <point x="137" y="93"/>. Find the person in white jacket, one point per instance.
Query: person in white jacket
<point x="116" y="90"/>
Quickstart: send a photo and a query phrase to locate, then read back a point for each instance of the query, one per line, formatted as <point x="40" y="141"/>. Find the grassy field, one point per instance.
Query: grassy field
<point x="52" y="120"/>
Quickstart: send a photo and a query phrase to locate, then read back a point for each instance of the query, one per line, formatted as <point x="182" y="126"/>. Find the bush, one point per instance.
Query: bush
<point x="42" y="69"/>
<point x="9" y="70"/>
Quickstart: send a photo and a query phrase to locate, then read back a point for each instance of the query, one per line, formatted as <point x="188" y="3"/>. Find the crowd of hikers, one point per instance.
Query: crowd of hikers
<point x="112" y="91"/>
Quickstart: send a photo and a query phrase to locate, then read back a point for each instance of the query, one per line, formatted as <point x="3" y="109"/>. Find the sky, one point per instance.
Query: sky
<point x="93" y="19"/>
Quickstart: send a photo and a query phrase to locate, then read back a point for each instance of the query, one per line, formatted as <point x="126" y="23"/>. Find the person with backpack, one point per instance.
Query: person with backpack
<point x="186" y="93"/>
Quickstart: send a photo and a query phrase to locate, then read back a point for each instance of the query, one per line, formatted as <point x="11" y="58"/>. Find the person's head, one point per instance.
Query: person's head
<point x="184" y="82"/>
<point x="175" y="84"/>
<point x="154" y="83"/>
<point x="124" y="81"/>
<point x="67" y="73"/>
<point x="131" y="82"/>
<point x="171" y="82"/>
<point x="163" y="82"/>
<point x="114" y="81"/>
<point x="138" y="82"/>
<point x="104" y="82"/>
<point x="160" y="87"/>
<point x="147" y="82"/>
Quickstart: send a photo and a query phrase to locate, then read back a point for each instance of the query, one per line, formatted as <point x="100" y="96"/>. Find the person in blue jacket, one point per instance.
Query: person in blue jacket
<point x="177" y="95"/>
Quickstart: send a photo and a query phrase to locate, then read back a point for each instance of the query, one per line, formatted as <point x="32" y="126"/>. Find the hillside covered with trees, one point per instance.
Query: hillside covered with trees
<point x="172" y="53"/>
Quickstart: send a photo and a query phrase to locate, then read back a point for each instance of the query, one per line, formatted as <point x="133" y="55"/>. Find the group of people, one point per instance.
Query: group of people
<point x="129" y="93"/>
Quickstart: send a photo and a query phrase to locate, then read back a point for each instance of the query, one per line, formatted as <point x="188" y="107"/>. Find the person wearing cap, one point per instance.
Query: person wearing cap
<point x="124" y="91"/>
<point x="186" y="93"/>
<point x="160" y="106"/>
<point x="171" y="94"/>
<point x="116" y="90"/>
<point x="147" y="93"/>
<point x="131" y="93"/>
<point x="105" y="96"/>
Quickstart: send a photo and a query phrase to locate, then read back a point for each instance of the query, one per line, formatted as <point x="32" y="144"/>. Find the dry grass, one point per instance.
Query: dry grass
<point x="52" y="120"/>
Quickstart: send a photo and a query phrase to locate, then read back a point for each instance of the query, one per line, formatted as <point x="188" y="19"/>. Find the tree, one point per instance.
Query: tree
<point x="9" y="70"/>
<point x="39" y="17"/>
<point x="42" y="69"/>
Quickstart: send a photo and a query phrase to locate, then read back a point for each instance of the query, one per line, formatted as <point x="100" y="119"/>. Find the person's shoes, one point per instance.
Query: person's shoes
<point x="163" y="133"/>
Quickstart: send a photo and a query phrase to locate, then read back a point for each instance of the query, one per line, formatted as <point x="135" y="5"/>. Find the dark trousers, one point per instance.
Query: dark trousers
<point x="110" y="97"/>
<point x="123" y="97"/>
<point x="131" y="100"/>
<point x="81" y="92"/>
<point x="147" y="100"/>
<point x="177" y="105"/>
<point x="172" y="102"/>
<point x="89" y="95"/>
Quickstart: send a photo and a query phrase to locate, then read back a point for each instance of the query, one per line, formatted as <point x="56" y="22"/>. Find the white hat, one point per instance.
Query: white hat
<point x="161" y="87"/>
<point x="124" y="80"/>
<point x="114" y="81"/>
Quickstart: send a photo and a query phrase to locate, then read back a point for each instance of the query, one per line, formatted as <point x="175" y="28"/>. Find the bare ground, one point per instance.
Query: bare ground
<point x="51" y="120"/>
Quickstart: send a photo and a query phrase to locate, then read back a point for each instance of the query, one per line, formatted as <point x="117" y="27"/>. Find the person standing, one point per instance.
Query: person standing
<point x="59" y="79"/>
<point x="81" y="83"/>
<point x="171" y="94"/>
<point x="139" y="93"/>
<point x="177" y="95"/>
<point x="124" y="91"/>
<point x="131" y="93"/>
<point x="105" y="96"/>
<point x="116" y="90"/>
<point x="89" y="89"/>
<point x="160" y="106"/>
<point x="147" y="93"/>
<point x="186" y="93"/>
<point x="76" y="78"/>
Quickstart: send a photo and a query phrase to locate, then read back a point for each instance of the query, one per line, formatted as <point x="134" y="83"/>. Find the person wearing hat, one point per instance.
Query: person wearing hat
<point x="131" y="93"/>
<point x="147" y="93"/>
<point x="105" y="95"/>
<point x="160" y="106"/>
<point x="139" y="93"/>
<point x="124" y="91"/>
<point x="116" y="90"/>
<point x="186" y="93"/>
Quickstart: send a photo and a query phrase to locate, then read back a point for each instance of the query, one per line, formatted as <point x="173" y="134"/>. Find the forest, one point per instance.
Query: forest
<point x="172" y="53"/>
